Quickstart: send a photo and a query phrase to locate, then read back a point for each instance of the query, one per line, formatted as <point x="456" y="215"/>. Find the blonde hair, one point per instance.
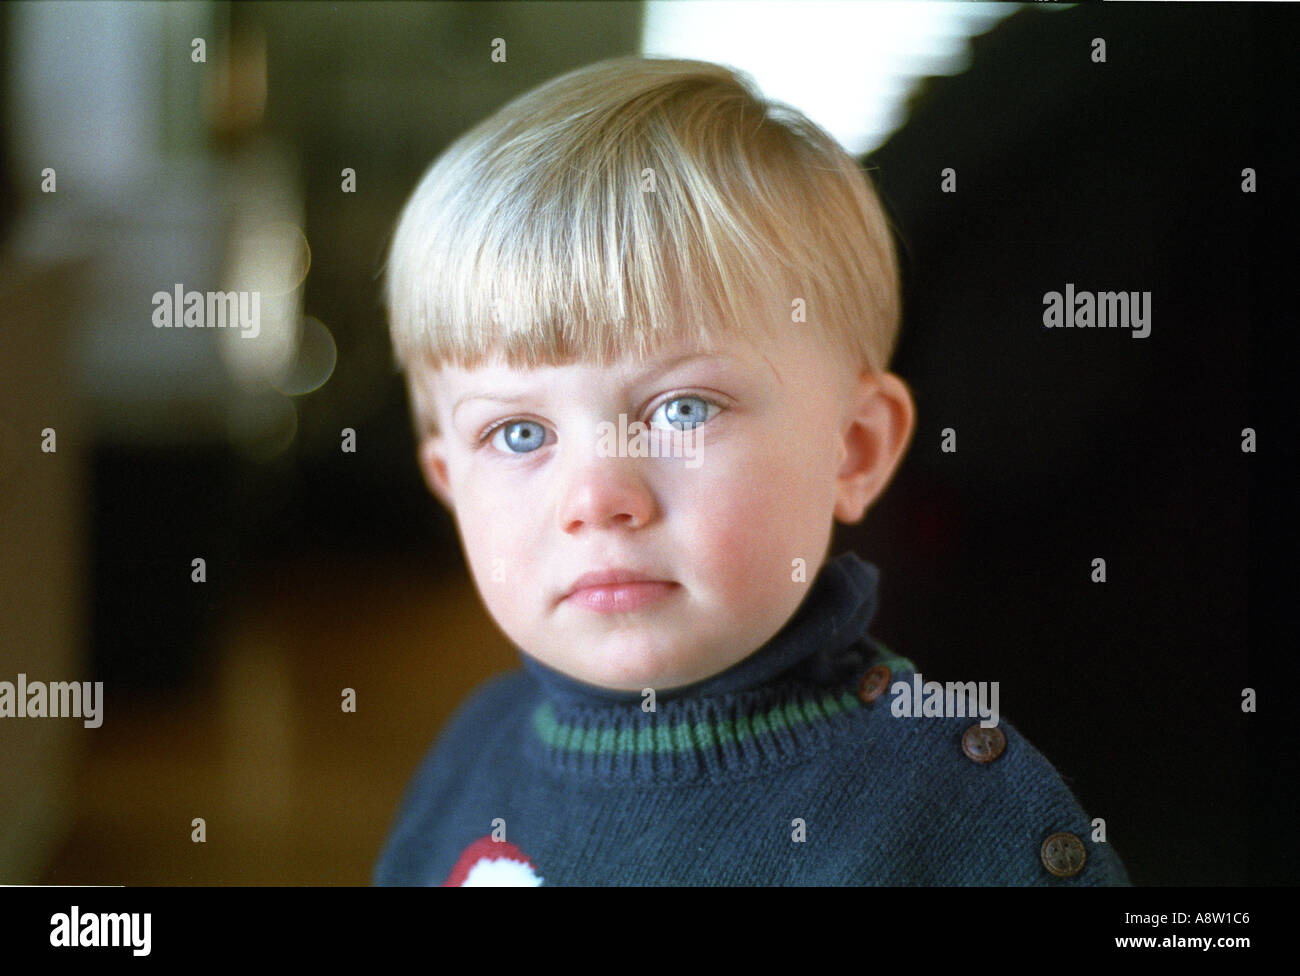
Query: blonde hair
<point x="536" y="236"/>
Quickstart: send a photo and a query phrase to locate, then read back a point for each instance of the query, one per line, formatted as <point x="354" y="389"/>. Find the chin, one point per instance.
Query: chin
<point x="633" y="669"/>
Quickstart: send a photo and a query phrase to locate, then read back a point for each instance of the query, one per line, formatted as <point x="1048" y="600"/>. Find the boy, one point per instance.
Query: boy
<point x="645" y="319"/>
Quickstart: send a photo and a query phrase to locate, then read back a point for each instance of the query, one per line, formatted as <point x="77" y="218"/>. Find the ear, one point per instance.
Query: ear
<point x="881" y="420"/>
<point x="432" y="456"/>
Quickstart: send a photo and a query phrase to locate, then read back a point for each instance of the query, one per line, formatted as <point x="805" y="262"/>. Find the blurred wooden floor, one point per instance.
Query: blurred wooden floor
<point x="293" y="789"/>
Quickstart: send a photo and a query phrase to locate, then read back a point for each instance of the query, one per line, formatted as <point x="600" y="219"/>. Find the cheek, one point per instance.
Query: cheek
<point x="744" y="523"/>
<point x="495" y="535"/>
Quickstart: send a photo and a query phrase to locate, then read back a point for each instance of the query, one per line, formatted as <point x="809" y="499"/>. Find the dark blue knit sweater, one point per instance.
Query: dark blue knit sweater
<point x="774" y="772"/>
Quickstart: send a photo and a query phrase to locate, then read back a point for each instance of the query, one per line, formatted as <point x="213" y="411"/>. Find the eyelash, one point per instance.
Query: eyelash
<point x="486" y="436"/>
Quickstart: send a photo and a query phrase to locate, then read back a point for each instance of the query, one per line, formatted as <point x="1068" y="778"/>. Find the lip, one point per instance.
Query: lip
<point x="617" y="589"/>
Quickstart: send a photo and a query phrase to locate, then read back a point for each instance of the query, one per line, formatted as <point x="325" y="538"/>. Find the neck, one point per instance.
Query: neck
<point x="773" y="706"/>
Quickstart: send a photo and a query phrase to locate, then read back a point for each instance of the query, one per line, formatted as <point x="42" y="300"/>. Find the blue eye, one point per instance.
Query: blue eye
<point x="681" y="413"/>
<point x="518" y="436"/>
<point x="686" y="412"/>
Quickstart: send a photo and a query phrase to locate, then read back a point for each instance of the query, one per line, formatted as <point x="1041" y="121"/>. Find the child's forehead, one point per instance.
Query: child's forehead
<point x="669" y="355"/>
<point x="786" y="363"/>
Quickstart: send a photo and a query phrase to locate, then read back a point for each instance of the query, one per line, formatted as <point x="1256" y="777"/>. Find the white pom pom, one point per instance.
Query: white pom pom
<point x="498" y="872"/>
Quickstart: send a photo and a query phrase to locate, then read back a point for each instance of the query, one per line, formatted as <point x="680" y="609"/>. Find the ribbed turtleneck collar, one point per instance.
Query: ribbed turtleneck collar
<point x="773" y="706"/>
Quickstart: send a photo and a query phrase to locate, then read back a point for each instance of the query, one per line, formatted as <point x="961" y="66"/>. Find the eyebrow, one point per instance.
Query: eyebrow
<point x="650" y="370"/>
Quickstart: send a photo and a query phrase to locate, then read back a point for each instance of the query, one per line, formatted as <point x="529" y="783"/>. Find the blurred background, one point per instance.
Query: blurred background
<point x="270" y="146"/>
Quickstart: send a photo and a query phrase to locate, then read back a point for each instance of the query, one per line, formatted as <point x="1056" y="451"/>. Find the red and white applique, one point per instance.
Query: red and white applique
<point x="488" y="863"/>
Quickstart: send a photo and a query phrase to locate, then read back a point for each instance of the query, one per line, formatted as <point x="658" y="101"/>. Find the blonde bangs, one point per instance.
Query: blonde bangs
<point x="631" y="203"/>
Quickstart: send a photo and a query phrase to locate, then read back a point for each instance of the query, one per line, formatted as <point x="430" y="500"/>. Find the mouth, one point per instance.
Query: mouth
<point x="617" y="591"/>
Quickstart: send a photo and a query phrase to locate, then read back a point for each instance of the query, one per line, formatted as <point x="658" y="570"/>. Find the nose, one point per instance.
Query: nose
<point x="606" y="493"/>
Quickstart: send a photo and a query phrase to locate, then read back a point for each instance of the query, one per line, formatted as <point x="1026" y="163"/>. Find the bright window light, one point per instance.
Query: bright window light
<point x="847" y="64"/>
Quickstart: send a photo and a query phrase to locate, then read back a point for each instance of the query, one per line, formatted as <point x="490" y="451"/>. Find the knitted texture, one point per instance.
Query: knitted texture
<point x="774" y="772"/>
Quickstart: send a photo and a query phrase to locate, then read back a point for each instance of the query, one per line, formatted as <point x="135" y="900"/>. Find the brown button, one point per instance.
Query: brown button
<point x="983" y="745"/>
<point x="1063" y="855"/>
<point x="873" y="684"/>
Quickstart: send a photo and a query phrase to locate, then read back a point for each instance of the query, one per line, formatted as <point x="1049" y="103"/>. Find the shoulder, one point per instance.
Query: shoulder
<point x="961" y="803"/>
<point x="481" y="723"/>
<point x="487" y="713"/>
<point x="486" y="704"/>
